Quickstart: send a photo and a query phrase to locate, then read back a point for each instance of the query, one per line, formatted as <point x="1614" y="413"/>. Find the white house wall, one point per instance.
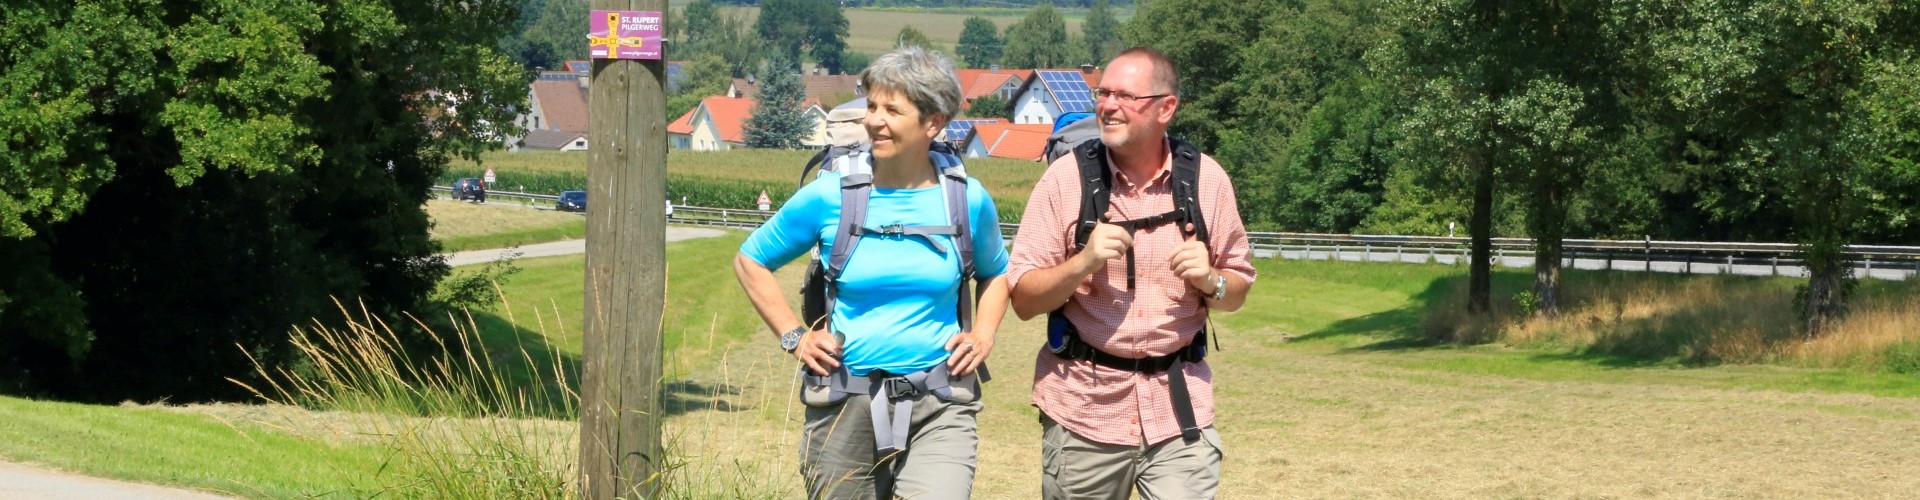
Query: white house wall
<point x="1036" y="106"/>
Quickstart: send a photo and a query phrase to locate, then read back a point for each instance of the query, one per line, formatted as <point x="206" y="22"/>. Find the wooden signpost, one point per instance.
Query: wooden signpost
<point x="620" y="397"/>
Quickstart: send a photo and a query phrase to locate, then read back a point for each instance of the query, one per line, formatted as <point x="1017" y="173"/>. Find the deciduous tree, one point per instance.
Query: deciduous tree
<point x="181" y="182"/>
<point x="980" y="44"/>
<point x="1040" y="41"/>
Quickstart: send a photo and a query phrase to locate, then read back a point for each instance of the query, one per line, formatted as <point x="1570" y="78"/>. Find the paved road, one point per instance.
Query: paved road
<point x="31" y="483"/>
<point x="569" y="247"/>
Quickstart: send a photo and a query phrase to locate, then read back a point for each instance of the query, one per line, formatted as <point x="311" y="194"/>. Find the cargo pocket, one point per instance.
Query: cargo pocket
<point x="1051" y="440"/>
<point x="1205" y="479"/>
<point x="963" y="390"/>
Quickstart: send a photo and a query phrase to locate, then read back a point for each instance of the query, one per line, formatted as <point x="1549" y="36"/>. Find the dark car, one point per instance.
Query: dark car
<point x="470" y="188"/>
<point x="571" y="201"/>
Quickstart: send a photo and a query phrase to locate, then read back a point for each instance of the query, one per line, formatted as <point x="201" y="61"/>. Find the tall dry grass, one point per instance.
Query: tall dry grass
<point x="459" y="426"/>
<point x="456" y="426"/>
<point x="1692" y="319"/>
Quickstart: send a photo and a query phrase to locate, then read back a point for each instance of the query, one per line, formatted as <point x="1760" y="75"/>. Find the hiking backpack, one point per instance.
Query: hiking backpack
<point x="854" y="164"/>
<point x="1070" y="131"/>
<point x="1096" y="188"/>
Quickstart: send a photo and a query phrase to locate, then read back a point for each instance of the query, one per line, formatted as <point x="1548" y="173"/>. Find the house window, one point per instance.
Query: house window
<point x="579" y="144"/>
<point x="536" y="122"/>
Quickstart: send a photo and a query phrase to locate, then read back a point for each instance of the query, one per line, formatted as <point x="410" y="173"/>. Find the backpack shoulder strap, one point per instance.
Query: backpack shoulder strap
<point x="953" y="182"/>
<point x="856" y="185"/>
<point x="1186" y="186"/>
<point x="1096" y="186"/>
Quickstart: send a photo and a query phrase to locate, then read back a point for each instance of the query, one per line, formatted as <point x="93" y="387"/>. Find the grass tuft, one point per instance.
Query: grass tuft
<point x="456" y="426"/>
<point x="1687" y="319"/>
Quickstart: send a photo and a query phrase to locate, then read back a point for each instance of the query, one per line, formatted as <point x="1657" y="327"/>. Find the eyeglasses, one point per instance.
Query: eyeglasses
<point x="1122" y="97"/>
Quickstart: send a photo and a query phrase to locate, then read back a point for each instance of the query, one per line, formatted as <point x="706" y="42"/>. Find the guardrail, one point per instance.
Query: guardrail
<point x="1754" y="259"/>
<point x="529" y="198"/>
<point x="1696" y="257"/>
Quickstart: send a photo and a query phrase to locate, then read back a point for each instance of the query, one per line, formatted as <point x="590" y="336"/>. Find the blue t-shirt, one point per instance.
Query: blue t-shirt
<point x="899" y="298"/>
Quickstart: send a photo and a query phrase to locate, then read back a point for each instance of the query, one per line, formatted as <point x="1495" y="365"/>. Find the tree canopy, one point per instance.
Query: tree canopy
<point x="1040" y="41"/>
<point x="181" y="182"/>
<point x="980" y="44"/>
<point x="817" y="26"/>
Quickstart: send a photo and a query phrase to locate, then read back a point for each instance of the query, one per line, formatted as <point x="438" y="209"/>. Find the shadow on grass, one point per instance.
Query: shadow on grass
<point x="529" y="364"/>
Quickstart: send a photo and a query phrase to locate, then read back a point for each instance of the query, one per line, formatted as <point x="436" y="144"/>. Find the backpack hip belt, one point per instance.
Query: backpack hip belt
<point x="890" y="392"/>
<point x="1063" y="340"/>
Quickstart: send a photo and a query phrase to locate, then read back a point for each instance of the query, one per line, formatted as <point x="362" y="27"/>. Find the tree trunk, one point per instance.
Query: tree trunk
<point x="1549" y="230"/>
<point x="1546" y="276"/>
<point x="1480" y="274"/>
<point x="1822" y="299"/>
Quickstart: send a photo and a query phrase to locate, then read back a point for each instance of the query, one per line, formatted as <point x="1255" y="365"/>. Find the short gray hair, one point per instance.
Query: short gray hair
<point x="924" y="76"/>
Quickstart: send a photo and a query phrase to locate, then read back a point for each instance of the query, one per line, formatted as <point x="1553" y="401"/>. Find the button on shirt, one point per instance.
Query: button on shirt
<point x="1159" y="316"/>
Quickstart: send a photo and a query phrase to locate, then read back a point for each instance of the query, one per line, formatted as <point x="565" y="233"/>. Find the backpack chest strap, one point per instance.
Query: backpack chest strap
<point x="1135" y="225"/>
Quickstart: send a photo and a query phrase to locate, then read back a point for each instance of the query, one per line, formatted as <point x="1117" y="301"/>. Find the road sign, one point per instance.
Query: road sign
<point x="488" y="178"/>
<point x="765" y="204"/>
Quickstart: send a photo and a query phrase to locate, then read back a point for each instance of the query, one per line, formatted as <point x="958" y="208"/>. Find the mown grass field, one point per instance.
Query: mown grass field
<point x="873" y="30"/>
<point x="461" y="226"/>
<point x="741" y="172"/>
<point x="1326" y="390"/>
<point x="187" y="449"/>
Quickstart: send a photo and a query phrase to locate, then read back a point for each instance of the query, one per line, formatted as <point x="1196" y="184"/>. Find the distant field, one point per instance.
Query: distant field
<point x="872" y="30"/>
<point x="1009" y="181"/>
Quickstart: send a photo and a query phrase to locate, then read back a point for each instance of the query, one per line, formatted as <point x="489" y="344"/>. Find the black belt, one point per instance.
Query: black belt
<point x="1174" y="364"/>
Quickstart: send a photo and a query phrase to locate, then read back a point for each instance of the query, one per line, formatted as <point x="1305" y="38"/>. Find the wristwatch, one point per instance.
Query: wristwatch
<point x="1219" y="287"/>
<point x="791" y="339"/>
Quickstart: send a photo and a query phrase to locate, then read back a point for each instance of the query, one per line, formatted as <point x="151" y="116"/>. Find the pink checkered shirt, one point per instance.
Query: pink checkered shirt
<point x="1160" y="316"/>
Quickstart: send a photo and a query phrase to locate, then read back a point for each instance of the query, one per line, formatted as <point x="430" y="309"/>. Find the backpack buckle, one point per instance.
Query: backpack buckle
<point x="899" y="387"/>
<point x="893" y="229"/>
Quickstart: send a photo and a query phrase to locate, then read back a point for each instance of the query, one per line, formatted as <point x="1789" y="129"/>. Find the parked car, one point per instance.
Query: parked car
<point x="571" y="201"/>
<point x="470" y="188"/>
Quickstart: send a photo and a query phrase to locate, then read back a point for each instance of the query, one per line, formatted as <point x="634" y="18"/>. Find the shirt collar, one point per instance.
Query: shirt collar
<point x="1160" y="177"/>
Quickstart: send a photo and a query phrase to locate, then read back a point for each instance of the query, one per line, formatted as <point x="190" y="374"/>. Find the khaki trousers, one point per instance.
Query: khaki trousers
<point x="1077" y="469"/>
<point x="838" y="459"/>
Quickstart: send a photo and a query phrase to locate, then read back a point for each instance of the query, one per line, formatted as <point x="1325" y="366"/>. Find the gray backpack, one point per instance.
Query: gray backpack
<point x="1069" y="131"/>
<point x="855" y="167"/>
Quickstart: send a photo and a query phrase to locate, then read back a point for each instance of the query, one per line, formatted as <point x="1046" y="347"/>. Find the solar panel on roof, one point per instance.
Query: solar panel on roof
<point x="1069" y="90"/>
<point x="579" y="66"/>
<point x="957" y="129"/>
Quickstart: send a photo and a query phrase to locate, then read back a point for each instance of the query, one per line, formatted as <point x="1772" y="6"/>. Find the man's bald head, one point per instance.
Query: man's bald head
<point x="1165" y="75"/>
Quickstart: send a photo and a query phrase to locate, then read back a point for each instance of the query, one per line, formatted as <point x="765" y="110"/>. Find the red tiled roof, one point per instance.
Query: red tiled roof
<point x="979" y="82"/>
<point x="563" y="102"/>
<point x="820" y="89"/>
<point x="683" y="125"/>
<point x="1018" y="141"/>
<point x="729" y="116"/>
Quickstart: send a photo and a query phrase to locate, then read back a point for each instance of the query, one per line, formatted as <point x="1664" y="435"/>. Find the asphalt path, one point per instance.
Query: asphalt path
<point x="569" y="247"/>
<point x="33" y="483"/>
